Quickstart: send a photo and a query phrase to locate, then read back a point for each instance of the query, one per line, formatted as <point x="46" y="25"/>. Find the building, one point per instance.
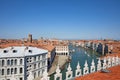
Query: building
<point x="62" y="49"/>
<point x="30" y="38"/>
<point x="20" y="60"/>
<point x="51" y="54"/>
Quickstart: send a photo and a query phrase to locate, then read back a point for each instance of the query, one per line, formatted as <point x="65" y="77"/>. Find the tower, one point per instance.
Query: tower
<point x="30" y="38"/>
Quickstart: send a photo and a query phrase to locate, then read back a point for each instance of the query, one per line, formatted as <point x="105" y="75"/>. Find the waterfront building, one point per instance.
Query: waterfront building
<point x="20" y="61"/>
<point x="51" y="54"/>
<point x="62" y="49"/>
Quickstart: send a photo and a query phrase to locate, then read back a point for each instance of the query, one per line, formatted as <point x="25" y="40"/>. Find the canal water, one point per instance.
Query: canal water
<point x="80" y="55"/>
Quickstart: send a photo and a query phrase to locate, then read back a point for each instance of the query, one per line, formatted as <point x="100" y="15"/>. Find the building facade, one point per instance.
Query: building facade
<point x="62" y="49"/>
<point x="22" y="60"/>
<point x="30" y="38"/>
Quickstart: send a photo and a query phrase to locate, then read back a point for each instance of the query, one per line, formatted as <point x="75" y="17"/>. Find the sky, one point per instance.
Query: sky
<point x="63" y="19"/>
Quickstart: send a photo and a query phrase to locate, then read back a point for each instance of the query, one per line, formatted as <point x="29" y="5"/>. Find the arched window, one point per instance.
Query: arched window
<point x="34" y="58"/>
<point x="38" y="65"/>
<point x="3" y="62"/>
<point x="21" y="70"/>
<point x="8" y="71"/>
<point x="11" y="62"/>
<point x="15" y="61"/>
<point x="38" y="73"/>
<point x="14" y="51"/>
<point x="34" y="66"/>
<point x="8" y="62"/>
<point x="38" y="58"/>
<point x="0" y="63"/>
<point x="11" y="70"/>
<point x="2" y="71"/>
<point x="34" y="74"/>
<point x="42" y="71"/>
<point x="15" y="71"/>
<point x="21" y="61"/>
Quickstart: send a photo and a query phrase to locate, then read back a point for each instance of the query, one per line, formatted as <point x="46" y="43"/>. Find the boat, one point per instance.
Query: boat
<point x="73" y="50"/>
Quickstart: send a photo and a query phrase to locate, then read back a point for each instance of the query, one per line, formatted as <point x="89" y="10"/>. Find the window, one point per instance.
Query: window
<point x="21" y="79"/>
<point x="3" y="62"/>
<point x="38" y="65"/>
<point x="30" y="51"/>
<point x="11" y="62"/>
<point x="34" y="58"/>
<point x="2" y="71"/>
<point x="34" y="66"/>
<point x="34" y="74"/>
<point x="8" y="62"/>
<point x="15" y="61"/>
<point x="0" y="63"/>
<point x="8" y="71"/>
<point x="42" y="70"/>
<point x="21" y="61"/>
<point x="38" y="58"/>
<point x="38" y="73"/>
<point x="21" y="70"/>
<point x="5" y="51"/>
<point x="15" y="71"/>
<point x="11" y="70"/>
<point x="14" y="51"/>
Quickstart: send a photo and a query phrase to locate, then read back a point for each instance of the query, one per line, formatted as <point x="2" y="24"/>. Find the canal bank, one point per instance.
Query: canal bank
<point x="60" y="60"/>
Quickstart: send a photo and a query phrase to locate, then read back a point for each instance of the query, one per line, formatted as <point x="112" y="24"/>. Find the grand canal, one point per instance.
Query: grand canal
<point x="80" y="55"/>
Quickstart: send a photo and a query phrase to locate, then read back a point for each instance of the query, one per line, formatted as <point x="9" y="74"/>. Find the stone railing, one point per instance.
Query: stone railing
<point x="106" y="63"/>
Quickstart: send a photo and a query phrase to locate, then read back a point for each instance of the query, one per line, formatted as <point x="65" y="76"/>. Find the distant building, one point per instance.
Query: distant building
<point x="102" y="49"/>
<point x="51" y="54"/>
<point x="30" y="38"/>
<point x="62" y="49"/>
<point x="22" y="60"/>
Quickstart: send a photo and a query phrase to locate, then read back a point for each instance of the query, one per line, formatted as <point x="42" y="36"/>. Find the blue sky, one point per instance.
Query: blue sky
<point x="64" y="19"/>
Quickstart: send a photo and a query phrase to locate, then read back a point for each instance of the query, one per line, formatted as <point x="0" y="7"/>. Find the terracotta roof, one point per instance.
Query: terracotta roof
<point x="113" y="75"/>
<point x="48" y="47"/>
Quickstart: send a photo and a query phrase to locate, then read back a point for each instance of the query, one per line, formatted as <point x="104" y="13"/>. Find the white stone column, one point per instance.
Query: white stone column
<point x="113" y="61"/>
<point x="58" y="74"/>
<point x="116" y="60"/>
<point x="109" y="62"/>
<point x="78" y="71"/>
<point x="99" y="65"/>
<point x="104" y="64"/>
<point x="69" y="73"/>
<point x="92" y="66"/>
<point x="119" y="61"/>
<point x="86" y="68"/>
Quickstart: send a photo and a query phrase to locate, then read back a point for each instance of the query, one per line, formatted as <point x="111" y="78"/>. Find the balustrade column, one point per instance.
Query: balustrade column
<point x="78" y="71"/>
<point x="69" y="73"/>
